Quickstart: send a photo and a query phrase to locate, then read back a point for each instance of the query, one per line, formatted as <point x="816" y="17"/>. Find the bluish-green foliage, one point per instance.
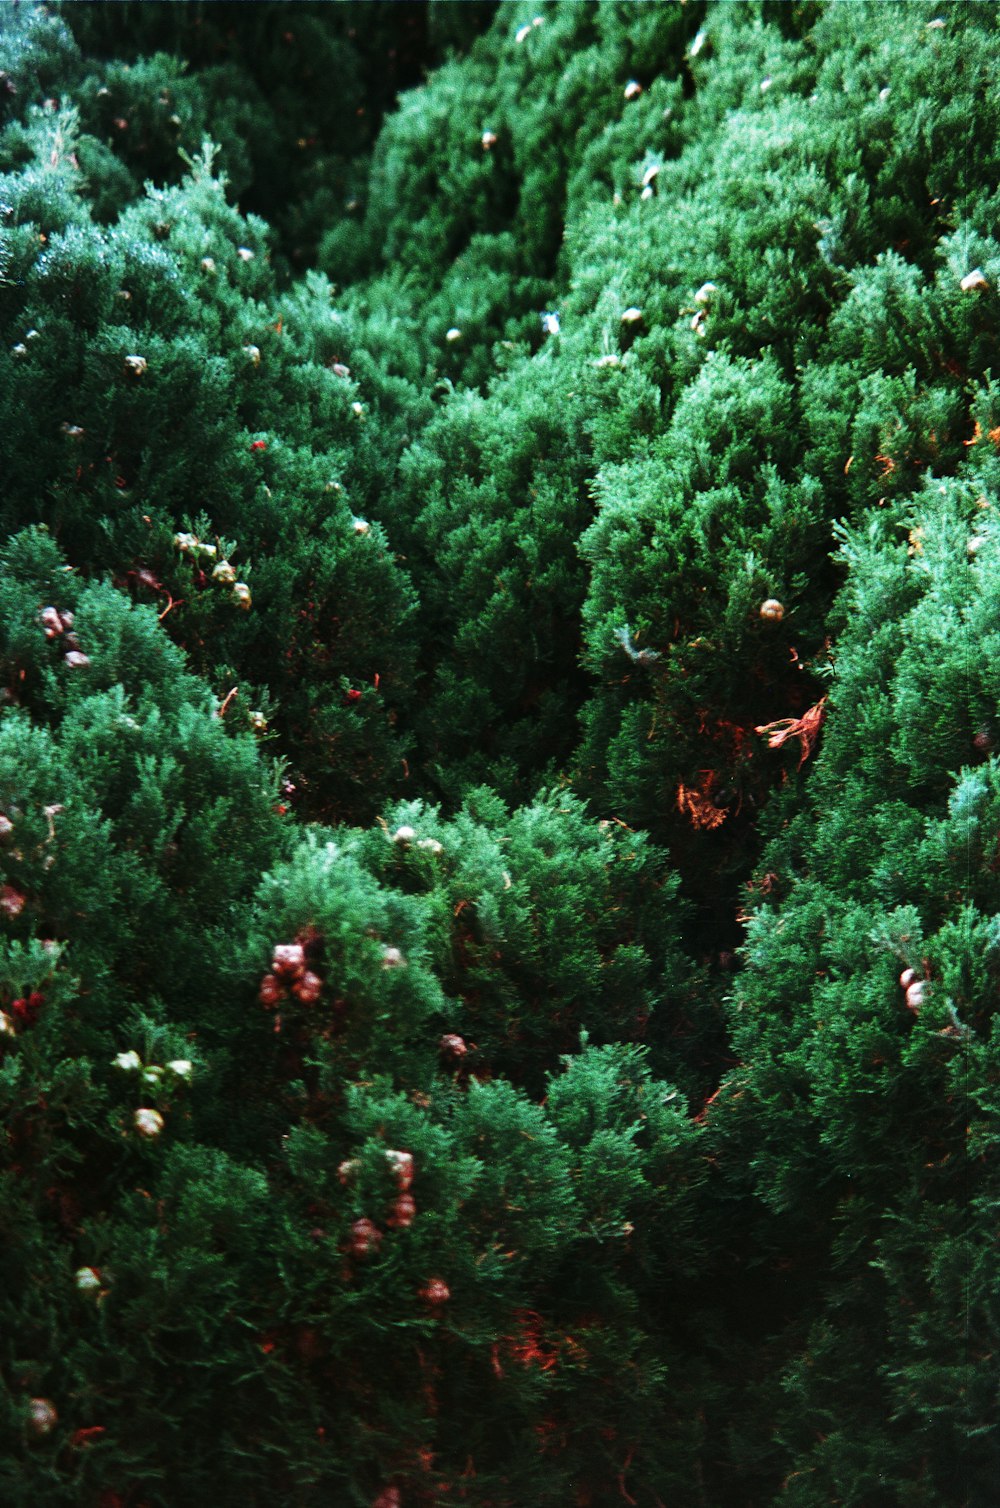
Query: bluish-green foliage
<point x="499" y="754"/>
<point x="862" y="1114"/>
<point x="172" y="435"/>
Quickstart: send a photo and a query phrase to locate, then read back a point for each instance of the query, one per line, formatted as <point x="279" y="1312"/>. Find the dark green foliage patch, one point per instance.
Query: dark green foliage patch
<point x="499" y="754"/>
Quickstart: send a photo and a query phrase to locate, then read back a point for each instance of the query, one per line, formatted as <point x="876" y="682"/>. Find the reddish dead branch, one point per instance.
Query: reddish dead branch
<point x="805" y="729"/>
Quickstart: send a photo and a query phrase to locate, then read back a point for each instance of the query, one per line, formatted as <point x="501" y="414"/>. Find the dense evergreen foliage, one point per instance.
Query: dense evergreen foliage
<point x="499" y="754"/>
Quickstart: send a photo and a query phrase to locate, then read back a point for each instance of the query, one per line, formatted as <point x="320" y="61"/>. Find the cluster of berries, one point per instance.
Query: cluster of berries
<point x="165" y="1078"/>
<point x="289" y="976"/>
<point x="913" y="987"/>
<point x="366" y="1237"/>
<point x="20" y="1012"/>
<point x="223" y="572"/>
<point x="58" y="625"/>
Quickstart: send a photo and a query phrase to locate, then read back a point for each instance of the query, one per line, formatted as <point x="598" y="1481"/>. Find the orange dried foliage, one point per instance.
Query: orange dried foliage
<point x="527" y="1346"/>
<point x="695" y="803"/>
<point x="732" y="736"/>
<point x="805" y="729"/>
<point x="993" y="435"/>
